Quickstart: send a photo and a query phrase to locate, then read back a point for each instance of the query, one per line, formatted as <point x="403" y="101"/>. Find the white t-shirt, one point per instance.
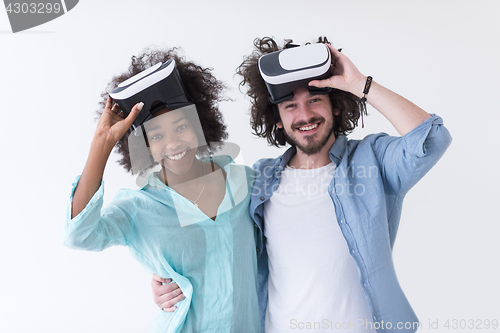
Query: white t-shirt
<point x="313" y="280"/>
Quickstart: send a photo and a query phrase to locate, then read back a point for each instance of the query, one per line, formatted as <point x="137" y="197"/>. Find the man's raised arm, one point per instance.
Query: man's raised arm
<point x="401" y="113"/>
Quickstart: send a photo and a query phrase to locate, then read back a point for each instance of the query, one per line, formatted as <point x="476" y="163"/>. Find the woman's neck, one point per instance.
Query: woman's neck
<point x="196" y="171"/>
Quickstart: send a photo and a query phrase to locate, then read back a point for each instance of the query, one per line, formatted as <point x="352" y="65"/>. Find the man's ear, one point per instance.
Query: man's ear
<point x="336" y="112"/>
<point x="279" y="124"/>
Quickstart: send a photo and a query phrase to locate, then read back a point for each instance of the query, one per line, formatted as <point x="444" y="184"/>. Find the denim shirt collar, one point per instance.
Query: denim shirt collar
<point x="336" y="153"/>
<point x="339" y="149"/>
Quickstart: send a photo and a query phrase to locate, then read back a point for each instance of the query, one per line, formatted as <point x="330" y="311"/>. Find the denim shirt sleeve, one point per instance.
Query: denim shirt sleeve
<point x="95" y="228"/>
<point x="405" y="160"/>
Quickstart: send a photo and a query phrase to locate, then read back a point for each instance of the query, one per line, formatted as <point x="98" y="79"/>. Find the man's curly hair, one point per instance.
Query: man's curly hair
<point x="265" y="116"/>
<point x="200" y="84"/>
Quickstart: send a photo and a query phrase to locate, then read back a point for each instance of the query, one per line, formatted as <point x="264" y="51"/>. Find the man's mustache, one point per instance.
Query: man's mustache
<point x="313" y="120"/>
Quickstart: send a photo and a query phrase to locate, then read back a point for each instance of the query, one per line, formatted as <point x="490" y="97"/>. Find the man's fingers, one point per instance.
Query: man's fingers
<point x="172" y="309"/>
<point x="160" y="290"/>
<point x="173" y="301"/>
<point x="334" y="51"/>
<point x="159" y="283"/>
<point x="166" y="294"/>
<point x="320" y="83"/>
<point x="159" y="279"/>
<point x="167" y="300"/>
<point x="338" y="60"/>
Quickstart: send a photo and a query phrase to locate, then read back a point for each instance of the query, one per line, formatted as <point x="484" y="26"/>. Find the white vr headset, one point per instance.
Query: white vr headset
<point x="286" y="70"/>
<point x="157" y="87"/>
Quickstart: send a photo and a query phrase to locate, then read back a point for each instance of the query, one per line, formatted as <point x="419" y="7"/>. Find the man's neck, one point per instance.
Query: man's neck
<point x="303" y="161"/>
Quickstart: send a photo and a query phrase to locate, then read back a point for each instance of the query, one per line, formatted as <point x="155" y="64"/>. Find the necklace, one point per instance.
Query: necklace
<point x="203" y="188"/>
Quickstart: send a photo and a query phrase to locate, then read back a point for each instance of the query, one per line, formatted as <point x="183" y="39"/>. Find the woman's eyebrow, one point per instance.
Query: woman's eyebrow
<point x="158" y="126"/>
<point x="153" y="128"/>
<point x="178" y="120"/>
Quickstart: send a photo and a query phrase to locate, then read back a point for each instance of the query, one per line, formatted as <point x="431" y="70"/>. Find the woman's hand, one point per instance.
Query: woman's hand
<point x="113" y="124"/>
<point x="166" y="295"/>
<point x="345" y="76"/>
<point x="111" y="128"/>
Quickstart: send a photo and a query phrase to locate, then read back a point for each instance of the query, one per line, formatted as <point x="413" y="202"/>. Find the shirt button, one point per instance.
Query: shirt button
<point x="353" y="251"/>
<point x="255" y="224"/>
<point x="258" y="250"/>
<point x="364" y="284"/>
<point x="340" y="156"/>
<point x="374" y="318"/>
<point x="341" y="221"/>
<point x="262" y="198"/>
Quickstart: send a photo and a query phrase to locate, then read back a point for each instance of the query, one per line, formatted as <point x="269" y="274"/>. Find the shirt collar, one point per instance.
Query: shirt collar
<point x="286" y="157"/>
<point x="338" y="149"/>
<point x="152" y="179"/>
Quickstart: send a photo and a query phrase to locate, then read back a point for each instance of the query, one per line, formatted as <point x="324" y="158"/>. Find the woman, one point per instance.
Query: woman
<point x="189" y="220"/>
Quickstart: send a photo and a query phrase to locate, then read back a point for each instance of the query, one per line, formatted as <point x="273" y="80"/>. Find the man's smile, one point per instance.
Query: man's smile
<point x="308" y="127"/>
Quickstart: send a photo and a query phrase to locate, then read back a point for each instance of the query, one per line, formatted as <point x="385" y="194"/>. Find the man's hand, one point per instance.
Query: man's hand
<point x="166" y="295"/>
<point x="345" y="76"/>
<point x="403" y="114"/>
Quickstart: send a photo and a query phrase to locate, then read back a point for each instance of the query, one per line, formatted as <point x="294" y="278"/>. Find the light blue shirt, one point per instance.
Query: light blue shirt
<point x="371" y="179"/>
<point x="213" y="262"/>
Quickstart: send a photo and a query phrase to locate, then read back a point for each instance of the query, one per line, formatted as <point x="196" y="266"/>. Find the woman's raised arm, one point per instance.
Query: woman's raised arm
<point x="111" y="128"/>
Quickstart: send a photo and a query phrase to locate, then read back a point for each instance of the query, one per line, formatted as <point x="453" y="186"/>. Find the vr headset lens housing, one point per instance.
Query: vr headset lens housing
<point x="286" y="70"/>
<point x="157" y="87"/>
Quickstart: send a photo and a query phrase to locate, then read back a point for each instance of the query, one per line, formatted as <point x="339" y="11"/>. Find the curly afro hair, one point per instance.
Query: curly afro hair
<point x="200" y="84"/>
<point x="265" y="116"/>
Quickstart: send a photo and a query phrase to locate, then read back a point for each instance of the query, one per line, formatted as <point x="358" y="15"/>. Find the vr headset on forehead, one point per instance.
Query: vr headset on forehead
<point x="158" y="87"/>
<point x="286" y="70"/>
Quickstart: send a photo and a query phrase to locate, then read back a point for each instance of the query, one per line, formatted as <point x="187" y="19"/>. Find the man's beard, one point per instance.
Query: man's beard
<point x="312" y="148"/>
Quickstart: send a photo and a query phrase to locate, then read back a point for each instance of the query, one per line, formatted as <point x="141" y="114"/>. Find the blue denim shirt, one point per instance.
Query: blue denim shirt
<point x="371" y="179"/>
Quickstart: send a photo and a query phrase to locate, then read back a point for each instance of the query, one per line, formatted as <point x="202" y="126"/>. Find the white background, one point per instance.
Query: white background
<point x="442" y="55"/>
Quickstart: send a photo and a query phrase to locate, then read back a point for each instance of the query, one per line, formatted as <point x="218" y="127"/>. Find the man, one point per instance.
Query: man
<point x="327" y="211"/>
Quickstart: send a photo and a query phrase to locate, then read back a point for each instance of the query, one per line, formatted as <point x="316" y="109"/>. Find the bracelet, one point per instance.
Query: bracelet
<point x="368" y="84"/>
